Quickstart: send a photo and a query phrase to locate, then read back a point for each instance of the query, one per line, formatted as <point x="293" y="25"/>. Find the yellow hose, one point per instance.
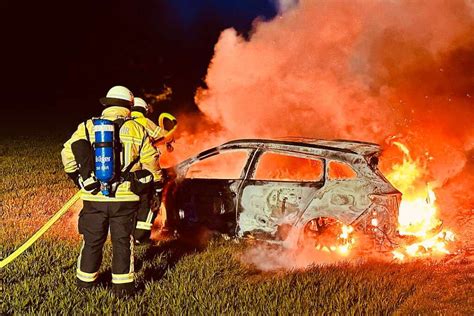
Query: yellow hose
<point x="41" y="231"/>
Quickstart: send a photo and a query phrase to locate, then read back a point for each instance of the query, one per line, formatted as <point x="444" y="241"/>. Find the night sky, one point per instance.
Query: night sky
<point x="60" y="57"/>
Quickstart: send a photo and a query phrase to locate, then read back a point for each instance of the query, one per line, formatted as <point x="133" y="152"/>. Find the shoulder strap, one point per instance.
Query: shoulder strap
<point x="120" y="122"/>
<point x="131" y="164"/>
<point x="87" y="132"/>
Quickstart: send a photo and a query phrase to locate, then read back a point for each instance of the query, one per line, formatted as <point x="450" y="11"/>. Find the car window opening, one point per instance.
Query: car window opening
<point x="340" y="171"/>
<point x="280" y="167"/>
<point x="224" y="165"/>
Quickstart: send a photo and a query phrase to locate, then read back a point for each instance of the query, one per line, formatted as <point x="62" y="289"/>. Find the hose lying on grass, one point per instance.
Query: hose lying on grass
<point x="41" y="231"/>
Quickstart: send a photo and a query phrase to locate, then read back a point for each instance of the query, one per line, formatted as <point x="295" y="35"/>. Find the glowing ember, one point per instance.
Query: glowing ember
<point x="398" y="255"/>
<point x="418" y="210"/>
<point x="345" y="242"/>
<point x="435" y="245"/>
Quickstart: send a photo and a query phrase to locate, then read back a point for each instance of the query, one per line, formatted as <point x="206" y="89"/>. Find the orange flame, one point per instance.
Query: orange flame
<point x="344" y="242"/>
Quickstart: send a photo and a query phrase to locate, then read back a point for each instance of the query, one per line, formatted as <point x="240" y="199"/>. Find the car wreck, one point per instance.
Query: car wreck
<point x="278" y="190"/>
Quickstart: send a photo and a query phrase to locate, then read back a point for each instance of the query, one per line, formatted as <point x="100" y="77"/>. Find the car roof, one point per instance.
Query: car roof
<point x="338" y="145"/>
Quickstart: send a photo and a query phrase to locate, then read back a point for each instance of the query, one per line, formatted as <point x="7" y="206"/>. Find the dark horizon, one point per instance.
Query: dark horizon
<point x="60" y="59"/>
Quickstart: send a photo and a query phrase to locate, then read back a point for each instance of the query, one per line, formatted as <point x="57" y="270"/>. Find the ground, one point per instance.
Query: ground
<point x="174" y="277"/>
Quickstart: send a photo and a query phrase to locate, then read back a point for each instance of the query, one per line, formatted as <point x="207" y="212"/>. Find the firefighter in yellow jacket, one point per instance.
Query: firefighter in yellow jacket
<point x="146" y="215"/>
<point x="140" y="110"/>
<point x="112" y="205"/>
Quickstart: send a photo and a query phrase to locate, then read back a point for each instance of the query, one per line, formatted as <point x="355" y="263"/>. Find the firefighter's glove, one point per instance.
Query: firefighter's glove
<point x="91" y="184"/>
<point x="75" y="178"/>
<point x="140" y="181"/>
<point x="156" y="198"/>
<point x="157" y="189"/>
<point x="155" y="203"/>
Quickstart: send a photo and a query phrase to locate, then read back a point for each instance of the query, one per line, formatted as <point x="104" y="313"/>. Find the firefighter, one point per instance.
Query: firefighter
<point x="113" y="206"/>
<point x="140" y="110"/>
<point x="149" y="202"/>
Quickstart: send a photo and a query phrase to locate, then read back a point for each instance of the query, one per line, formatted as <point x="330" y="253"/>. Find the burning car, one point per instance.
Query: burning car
<point x="284" y="190"/>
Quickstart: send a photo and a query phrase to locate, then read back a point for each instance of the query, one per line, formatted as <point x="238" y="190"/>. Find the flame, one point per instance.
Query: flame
<point x="346" y="240"/>
<point x="344" y="243"/>
<point x="398" y="255"/>
<point x="418" y="222"/>
<point x="418" y="210"/>
<point x="435" y="244"/>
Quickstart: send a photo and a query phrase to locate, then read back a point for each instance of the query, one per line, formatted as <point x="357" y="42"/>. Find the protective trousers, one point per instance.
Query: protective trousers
<point x="145" y="218"/>
<point x="95" y="219"/>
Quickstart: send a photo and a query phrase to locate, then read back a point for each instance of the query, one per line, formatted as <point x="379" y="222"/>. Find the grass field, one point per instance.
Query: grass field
<point x="174" y="278"/>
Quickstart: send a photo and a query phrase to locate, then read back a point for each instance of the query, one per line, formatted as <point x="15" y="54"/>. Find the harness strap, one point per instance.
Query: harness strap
<point x="125" y="173"/>
<point x="87" y="132"/>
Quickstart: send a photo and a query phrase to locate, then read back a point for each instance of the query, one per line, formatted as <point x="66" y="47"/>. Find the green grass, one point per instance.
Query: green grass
<point x="174" y="278"/>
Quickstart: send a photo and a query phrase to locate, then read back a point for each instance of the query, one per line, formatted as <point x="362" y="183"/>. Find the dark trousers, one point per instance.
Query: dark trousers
<point x="95" y="220"/>
<point x="145" y="218"/>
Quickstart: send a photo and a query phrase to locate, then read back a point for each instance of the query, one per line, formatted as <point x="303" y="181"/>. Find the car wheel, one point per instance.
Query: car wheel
<point x="325" y="234"/>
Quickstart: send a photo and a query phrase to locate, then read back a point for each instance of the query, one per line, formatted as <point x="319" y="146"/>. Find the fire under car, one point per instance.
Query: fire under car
<point x="283" y="190"/>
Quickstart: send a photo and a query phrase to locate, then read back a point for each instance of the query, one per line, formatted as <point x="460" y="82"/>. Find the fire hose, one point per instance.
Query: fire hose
<point x="168" y="124"/>
<point x="168" y="128"/>
<point x="41" y="231"/>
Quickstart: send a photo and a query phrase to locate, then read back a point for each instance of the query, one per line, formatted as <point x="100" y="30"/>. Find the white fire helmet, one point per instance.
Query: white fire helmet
<point x="118" y="96"/>
<point x="139" y="102"/>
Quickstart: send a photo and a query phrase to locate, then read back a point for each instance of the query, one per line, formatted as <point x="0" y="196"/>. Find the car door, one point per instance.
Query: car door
<point x="345" y="194"/>
<point x="206" y="194"/>
<point x="278" y="188"/>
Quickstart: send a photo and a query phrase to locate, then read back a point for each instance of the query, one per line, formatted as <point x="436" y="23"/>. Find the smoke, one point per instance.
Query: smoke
<point x="364" y="70"/>
<point x="285" y="5"/>
<point x="342" y="69"/>
<point x="267" y="257"/>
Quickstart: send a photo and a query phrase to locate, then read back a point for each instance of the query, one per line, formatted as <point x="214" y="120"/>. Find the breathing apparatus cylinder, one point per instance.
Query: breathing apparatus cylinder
<point x="104" y="153"/>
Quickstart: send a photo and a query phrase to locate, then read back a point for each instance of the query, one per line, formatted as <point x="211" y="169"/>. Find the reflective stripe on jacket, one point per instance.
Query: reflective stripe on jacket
<point x="135" y="143"/>
<point x="153" y="130"/>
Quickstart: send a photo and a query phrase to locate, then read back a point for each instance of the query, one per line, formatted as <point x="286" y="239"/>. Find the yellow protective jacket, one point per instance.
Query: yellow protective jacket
<point x="153" y="130"/>
<point x="135" y="143"/>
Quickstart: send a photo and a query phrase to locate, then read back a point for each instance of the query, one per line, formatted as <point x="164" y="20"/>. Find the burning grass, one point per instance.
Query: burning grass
<point x="175" y="278"/>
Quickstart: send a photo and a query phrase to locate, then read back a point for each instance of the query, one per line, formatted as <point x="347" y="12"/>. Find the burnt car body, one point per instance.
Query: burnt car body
<point x="281" y="184"/>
